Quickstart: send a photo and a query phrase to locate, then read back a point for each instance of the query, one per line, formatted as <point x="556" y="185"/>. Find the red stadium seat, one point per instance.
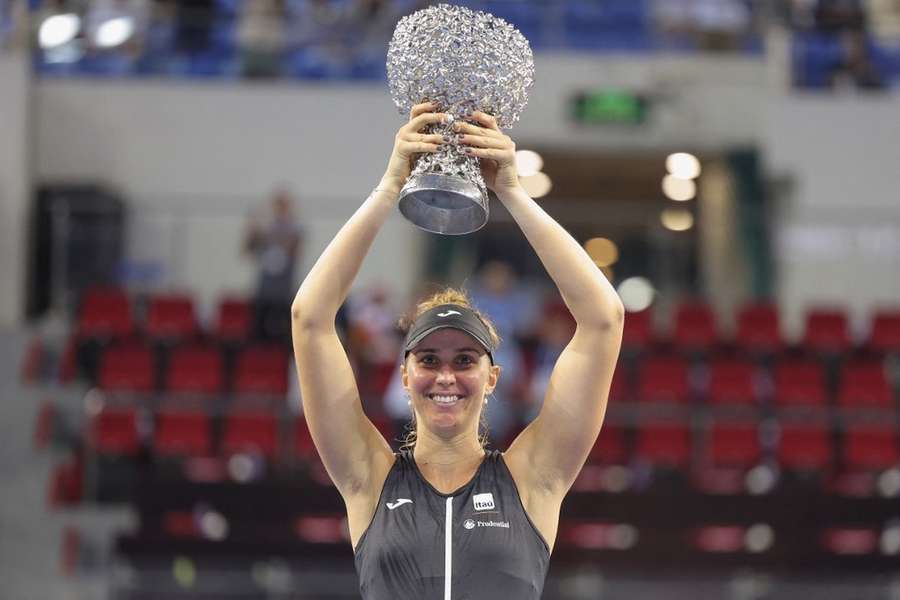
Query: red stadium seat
<point x="182" y="433"/>
<point x="799" y="382"/>
<point x="114" y="431"/>
<point x="885" y="334"/>
<point x="195" y="370"/>
<point x="871" y="448"/>
<point x="732" y="445"/>
<point x="864" y="384"/>
<point x="663" y="444"/>
<point x="664" y="379"/>
<point x="234" y="321"/>
<point x="303" y="443"/>
<point x="127" y="368"/>
<point x="695" y="326"/>
<point x="804" y="447"/>
<point x="104" y="313"/>
<point x="826" y="331"/>
<point x="759" y="328"/>
<point x="731" y="381"/>
<point x="638" y="330"/>
<point x="609" y="447"/>
<point x="262" y="370"/>
<point x="619" y="389"/>
<point x="256" y="433"/>
<point x="171" y="318"/>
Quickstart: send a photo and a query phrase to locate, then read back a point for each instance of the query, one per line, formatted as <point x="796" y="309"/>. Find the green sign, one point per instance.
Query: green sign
<point x="609" y="107"/>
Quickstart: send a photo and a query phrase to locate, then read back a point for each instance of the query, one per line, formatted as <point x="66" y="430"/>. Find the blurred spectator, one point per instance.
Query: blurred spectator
<point x="371" y="328"/>
<point x="711" y="24"/>
<point x="721" y="24"/>
<point x="856" y="70"/>
<point x="158" y="38"/>
<point x="801" y="13"/>
<point x="13" y="17"/>
<point x="193" y="21"/>
<point x="556" y="330"/>
<point x="883" y="20"/>
<point x="261" y="38"/>
<point x="274" y="242"/>
<point x="498" y="293"/>
<point x="839" y="15"/>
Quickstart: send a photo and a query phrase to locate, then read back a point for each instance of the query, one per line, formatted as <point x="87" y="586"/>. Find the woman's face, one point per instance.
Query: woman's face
<point x="447" y="376"/>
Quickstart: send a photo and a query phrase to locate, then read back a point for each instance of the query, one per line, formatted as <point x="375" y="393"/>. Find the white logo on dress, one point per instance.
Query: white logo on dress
<point x="469" y="524"/>
<point x="448" y="313"/>
<point x="399" y="502"/>
<point x="483" y="501"/>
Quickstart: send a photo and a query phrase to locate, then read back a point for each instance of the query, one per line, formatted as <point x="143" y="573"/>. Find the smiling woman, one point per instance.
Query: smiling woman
<point x="448" y="360"/>
<point x="444" y="517"/>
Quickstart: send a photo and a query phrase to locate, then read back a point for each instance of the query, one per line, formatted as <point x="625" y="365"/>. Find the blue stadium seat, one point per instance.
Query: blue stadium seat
<point x="815" y="56"/>
<point x="369" y="68"/>
<point x="527" y="17"/>
<point x="310" y="63"/>
<point x="608" y="25"/>
<point x="106" y="64"/>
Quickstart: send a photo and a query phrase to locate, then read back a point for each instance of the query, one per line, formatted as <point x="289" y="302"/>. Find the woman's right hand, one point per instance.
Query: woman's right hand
<point x="410" y="142"/>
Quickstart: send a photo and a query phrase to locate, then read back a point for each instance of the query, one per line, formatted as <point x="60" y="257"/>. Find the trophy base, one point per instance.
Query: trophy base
<point x="444" y="204"/>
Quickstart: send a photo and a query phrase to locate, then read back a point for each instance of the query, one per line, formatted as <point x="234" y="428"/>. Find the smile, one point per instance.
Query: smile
<point x="444" y="400"/>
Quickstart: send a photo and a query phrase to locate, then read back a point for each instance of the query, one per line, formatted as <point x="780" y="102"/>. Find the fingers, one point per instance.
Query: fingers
<point x="424" y="107"/>
<point x="417" y="143"/>
<point x="485" y="120"/>
<point x="463" y="127"/>
<point x="434" y="138"/>
<point x="485" y="141"/>
<point x="501" y="156"/>
<point x="419" y="122"/>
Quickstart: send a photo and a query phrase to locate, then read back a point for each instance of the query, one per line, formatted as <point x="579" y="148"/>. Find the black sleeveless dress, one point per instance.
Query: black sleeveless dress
<point x="476" y="543"/>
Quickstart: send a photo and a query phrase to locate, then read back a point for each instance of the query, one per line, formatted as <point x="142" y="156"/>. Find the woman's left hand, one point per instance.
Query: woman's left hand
<point x="496" y="151"/>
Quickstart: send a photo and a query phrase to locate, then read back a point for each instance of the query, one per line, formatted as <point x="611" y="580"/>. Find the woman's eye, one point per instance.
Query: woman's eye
<point x="466" y="359"/>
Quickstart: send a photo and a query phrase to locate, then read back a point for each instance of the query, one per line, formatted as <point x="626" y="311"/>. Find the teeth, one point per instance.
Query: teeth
<point x="445" y="399"/>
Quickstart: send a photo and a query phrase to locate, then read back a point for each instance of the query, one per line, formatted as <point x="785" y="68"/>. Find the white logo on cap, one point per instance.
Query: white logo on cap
<point x="448" y="313"/>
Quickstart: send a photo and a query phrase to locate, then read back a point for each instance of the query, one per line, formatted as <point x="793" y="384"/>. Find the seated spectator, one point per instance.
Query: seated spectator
<point x="856" y="69"/>
<point x="883" y="20"/>
<point x="839" y="15"/>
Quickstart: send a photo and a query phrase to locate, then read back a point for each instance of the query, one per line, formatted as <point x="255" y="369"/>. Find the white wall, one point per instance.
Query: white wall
<point x="214" y="149"/>
<point x="838" y="234"/>
<point x="14" y="178"/>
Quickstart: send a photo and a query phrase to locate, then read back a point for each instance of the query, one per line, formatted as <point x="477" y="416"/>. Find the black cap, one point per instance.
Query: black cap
<point x="453" y="316"/>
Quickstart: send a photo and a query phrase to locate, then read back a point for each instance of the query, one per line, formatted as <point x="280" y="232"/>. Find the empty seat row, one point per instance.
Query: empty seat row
<point x="758" y="329"/>
<point x="796" y="446"/>
<point x="800" y="446"/>
<point x="111" y="313"/>
<point x="194" y="369"/>
<point x="725" y="381"/>
<point x="125" y="431"/>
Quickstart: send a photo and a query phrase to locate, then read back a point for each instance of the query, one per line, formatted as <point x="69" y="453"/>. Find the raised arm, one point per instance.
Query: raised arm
<point x="353" y="451"/>
<point x="550" y="452"/>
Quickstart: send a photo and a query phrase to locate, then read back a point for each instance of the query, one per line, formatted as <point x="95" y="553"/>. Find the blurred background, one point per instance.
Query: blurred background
<point x="170" y="170"/>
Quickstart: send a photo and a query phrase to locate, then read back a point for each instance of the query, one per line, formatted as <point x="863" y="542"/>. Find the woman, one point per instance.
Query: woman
<point x="448" y="519"/>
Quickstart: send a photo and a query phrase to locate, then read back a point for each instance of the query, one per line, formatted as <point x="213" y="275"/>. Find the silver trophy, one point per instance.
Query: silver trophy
<point x="464" y="60"/>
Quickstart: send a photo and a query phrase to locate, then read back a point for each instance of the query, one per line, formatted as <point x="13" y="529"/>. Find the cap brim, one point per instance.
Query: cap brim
<point x="415" y="341"/>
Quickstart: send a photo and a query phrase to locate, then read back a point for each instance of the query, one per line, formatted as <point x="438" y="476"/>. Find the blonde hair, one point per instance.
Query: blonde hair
<point x="447" y="295"/>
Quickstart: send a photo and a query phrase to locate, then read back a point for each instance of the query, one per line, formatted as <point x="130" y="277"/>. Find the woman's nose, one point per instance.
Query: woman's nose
<point x="445" y="376"/>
